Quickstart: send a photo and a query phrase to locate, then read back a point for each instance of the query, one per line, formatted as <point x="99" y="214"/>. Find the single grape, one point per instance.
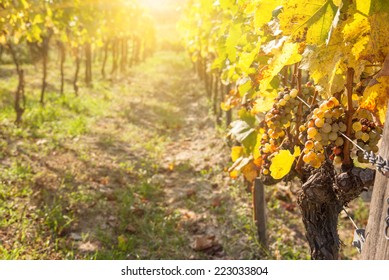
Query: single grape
<point x="326" y="128"/>
<point x="365" y="137"/>
<point x="321" y="157"/>
<point x="319" y="123"/>
<point x="339" y="141"/>
<point x="337" y="150"/>
<point x="333" y="136"/>
<point x="328" y="114"/>
<point x="335" y="101"/>
<point x="311" y="156"/>
<point x="318" y="137"/>
<point x="309" y="145"/>
<point x="312" y="132"/>
<point x="318" y="146"/>
<point x="342" y="127"/>
<point x="358" y="134"/>
<point x="335" y="127"/>
<point x="357" y="126"/>
<point x="337" y="160"/>
<point x="293" y="93"/>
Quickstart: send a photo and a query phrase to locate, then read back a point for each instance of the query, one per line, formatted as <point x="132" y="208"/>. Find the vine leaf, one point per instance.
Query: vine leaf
<point x="376" y="94"/>
<point x="263" y="104"/>
<point x="310" y="20"/>
<point x="236" y="153"/>
<point x="282" y="163"/>
<point x="289" y="55"/>
<point x="264" y="11"/>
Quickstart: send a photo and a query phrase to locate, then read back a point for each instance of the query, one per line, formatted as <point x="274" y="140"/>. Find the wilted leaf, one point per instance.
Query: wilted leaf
<point x="250" y="171"/>
<point x="130" y="229"/>
<point x="203" y="242"/>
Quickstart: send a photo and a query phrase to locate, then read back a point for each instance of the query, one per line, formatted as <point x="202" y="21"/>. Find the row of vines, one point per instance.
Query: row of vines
<point x="308" y="80"/>
<point x="79" y="29"/>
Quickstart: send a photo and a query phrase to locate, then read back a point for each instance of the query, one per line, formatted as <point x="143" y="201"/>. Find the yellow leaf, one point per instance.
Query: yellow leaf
<point x="290" y="55"/>
<point x="376" y="97"/>
<point x="356" y="34"/>
<point x="297" y="151"/>
<point x="236" y="152"/>
<point x="281" y="164"/>
<point x="234" y="174"/>
<point x="262" y="105"/>
<point x="264" y="11"/>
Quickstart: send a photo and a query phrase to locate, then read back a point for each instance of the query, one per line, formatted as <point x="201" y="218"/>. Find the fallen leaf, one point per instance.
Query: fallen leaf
<point x="203" y="242"/>
<point x="190" y="192"/>
<point x="104" y="181"/>
<point x="41" y="141"/>
<point x="75" y="236"/>
<point x="217" y="201"/>
<point x="130" y="229"/>
<point x="88" y="247"/>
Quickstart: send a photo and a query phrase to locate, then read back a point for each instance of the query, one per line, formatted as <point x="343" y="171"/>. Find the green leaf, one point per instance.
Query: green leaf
<point x="241" y="130"/>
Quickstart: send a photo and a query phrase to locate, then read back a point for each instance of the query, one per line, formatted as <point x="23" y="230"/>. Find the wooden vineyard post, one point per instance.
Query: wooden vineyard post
<point x="376" y="246"/>
<point x="259" y="204"/>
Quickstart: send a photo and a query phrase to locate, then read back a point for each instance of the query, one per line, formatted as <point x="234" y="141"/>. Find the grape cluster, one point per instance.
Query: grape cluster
<point x="268" y="147"/>
<point x="277" y="121"/>
<point x="367" y="135"/>
<point x="280" y="116"/>
<point x="322" y="131"/>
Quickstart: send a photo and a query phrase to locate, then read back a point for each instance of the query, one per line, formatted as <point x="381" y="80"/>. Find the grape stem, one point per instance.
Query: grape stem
<point x="349" y="115"/>
<point x="314" y="99"/>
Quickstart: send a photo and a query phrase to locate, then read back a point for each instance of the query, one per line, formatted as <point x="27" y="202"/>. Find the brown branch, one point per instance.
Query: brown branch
<point x="349" y="115"/>
<point x="313" y="101"/>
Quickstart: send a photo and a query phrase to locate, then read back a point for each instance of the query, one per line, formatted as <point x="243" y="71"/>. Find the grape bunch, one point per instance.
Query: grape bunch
<point x="322" y="131"/>
<point x="268" y="147"/>
<point x="277" y="121"/>
<point x="280" y="116"/>
<point x="367" y="134"/>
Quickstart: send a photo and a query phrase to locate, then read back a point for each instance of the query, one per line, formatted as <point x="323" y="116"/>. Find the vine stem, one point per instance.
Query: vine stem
<point x="349" y="115"/>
